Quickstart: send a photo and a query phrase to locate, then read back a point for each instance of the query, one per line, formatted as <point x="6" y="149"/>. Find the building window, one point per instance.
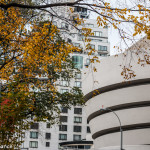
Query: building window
<point x="96" y="40"/>
<point x="77" y="120"/>
<point x="88" y="130"/>
<point x="89" y="25"/>
<point x="80" y="9"/>
<point x="78" y="75"/>
<point x="47" y="135"/>
<point x="64" y="110"/>
<point x="97" y="33"/>
<point x="64" y="91"/>
<point x="35" y="126"/>
<point x="87" y="62"/>
<point x="62" y="127"/>
<point x="91" y="46"/>
<point x="23" y="135"/>
<point x="103" y="55"/>
<point x="78" y="61"/>
<point x="63" y="118"/>
<point x="77" y="137"/>
<point x="34" y="135"/>
<point x="77" y="44"/>
<point x="77" y="129"/>
<point x="33" y="144"/>
<point x="62" y="136"/>
<point x="47" y="144"/>
<point x="78" y="84"/>
<point x="48" y="125"/>
<point x="102" y="48"/>
<point x="78" y="111"/>
<point x="87" y="147"/>
<point x="64" y="83"/>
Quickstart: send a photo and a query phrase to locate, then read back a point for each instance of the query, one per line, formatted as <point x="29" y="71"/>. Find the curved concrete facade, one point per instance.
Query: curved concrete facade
<point x="130" y="101"/>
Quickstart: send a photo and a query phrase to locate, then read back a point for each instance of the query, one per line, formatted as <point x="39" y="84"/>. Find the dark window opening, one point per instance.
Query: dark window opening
<point x="47" y="135"/>
<point x="34" y="126"/>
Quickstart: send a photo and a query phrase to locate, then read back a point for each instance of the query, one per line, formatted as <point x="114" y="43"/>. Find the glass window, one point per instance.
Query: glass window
<point x="77" y="110"/>
<point x="77" y="9"/>
<point x="64" y="110"/>
<point x="62" y="136"/>
<point x="103" y="55"/>
<point x="47" y="144"/>
<point x="84" y="10"/>
<point x="35" y="126"/>
<point x="77" y="44"/>
<point x="48" y="125"/>
<point x="33" y="144"/>
<point x="77" y="120"/>
<point x="88" y="130"/>
<point x="78" y="83"/>
<point x="96" y="40"/>
<point x="97" y="33"/>
<point x="81" y="147"/>
<point x="63" y="118"/>
<point x="63" y="91"/>
<point x="23" y="135"/>
<point x="34" y="135"/>
<point x="47" y="135"/>
<point x="62" y="127"/>
<point x="89" y="25"/>
<point x="77" y="137"/>
<point x="78" y="61"/>
<point x="77" y="128"/>
<point x="87" y="146"/>
<point x="64" y="83"/>
<point x="78" y="75"/>
<point x="102" y="48"/>
<point x="91" y="46"/>
<point x="87" y="62"/>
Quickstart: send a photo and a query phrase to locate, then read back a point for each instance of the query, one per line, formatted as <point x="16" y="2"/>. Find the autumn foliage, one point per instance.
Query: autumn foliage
<point x="34" y="57"/>
<point x="6" y="115"/>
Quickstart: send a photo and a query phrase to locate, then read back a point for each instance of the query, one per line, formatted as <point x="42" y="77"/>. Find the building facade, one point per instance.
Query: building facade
<point x="74" y="125"/>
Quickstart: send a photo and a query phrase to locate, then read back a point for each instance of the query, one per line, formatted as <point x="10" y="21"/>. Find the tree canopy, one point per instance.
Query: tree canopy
<point x="32" y="62"/>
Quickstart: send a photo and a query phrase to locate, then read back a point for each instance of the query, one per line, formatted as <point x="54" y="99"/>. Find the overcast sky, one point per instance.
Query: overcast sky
<point x="113" y="35"/>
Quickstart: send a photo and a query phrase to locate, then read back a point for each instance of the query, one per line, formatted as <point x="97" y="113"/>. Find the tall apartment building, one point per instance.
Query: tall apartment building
<point x="74" y="125"/>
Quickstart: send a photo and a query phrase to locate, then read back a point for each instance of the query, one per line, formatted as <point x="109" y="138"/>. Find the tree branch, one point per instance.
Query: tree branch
<point x="6" y="6"/>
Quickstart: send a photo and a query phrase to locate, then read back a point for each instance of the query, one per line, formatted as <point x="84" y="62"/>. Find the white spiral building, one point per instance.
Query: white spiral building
<point x="129" y="100"/>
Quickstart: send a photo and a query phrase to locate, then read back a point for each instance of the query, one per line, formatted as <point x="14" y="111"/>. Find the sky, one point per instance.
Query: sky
<point x="113" y="35"/>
